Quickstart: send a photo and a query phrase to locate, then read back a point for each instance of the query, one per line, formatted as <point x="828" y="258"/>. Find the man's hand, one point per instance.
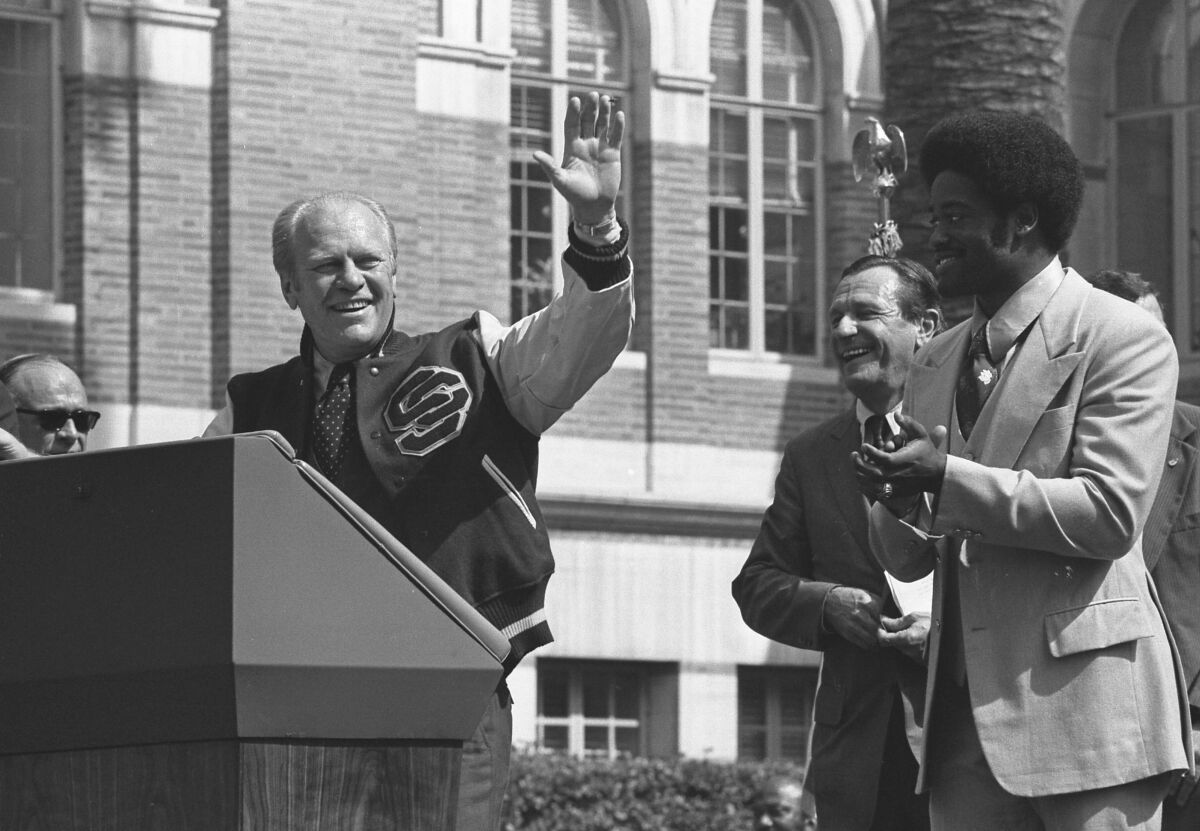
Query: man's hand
<point x="590" y="175"/>
<point x="907" y="634"/>
<point x="854" y="614"/>
<point x="1183" y="786"/>
<point x="11" y="448"/>
<point x="917" y="467"/>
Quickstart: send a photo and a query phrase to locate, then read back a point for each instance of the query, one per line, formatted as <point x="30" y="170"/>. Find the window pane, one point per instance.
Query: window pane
<point x="793" y="745"/>
<point x="775" y="235"/>
<point x="1144" y="201"/>
<point x="1148" y="55"/>
<point x="776" y="282"/>
<point x="794" y="710"/>
<point x="734" y="140"/>
<point x="787" y="54"/>
<point x="752" y="698"/>
<point x="777" y="139"/>
<point x="737" y="280"/>
<point x="9" y="56"/>
<point x="554" y="737"/>
<point x="595" y="695"/>
<point x="627" y="740"/>
<point x="11" y="99"/>
<point x="539" y="215"/>
<point x="628" y="696"/>
<point x="595" y="739"/>
<point x="530" y="112"/>
<point x="1193" y="51"/>
<point x="777" y="331"/>
<point x="594" y="41"/>
<point x="728" y="169"/>
<point x="776" y="184"/>
<point x="531" y="35"/>
<point x="554" y="692"/>
<point x="1194" y="223"/>
<point x="736" y="332"/>
<point x="752" y="743"/>
<point x="516" y="196"/>
<point x="727" y="47"/>
<point x="9" y="266"/>
<point x="736" y="236"/>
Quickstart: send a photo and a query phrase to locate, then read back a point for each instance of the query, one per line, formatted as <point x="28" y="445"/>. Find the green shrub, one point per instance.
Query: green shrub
<point x="552" y="792"/>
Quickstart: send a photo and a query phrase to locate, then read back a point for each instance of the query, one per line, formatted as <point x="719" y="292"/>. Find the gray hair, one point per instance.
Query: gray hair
<point x="285" y="226"/>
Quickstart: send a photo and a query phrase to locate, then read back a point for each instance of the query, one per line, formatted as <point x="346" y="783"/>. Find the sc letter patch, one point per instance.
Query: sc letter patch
<point x="428" y="409"/>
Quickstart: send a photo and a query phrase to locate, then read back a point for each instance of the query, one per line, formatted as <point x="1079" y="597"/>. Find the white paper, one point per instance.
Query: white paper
<point x="912" y="597"/>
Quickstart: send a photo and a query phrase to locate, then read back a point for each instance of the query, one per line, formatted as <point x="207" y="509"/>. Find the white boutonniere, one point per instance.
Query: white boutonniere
<point x="986" y="376"/>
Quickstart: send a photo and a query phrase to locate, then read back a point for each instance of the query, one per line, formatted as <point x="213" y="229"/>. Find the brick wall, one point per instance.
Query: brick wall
<point x="100" y="229"/>
<point x="675" y="277"/>
<point x="320" y="97"/>
<point x="461" y="217"/>
<point x="172" y="201"/>
<point x="21" y="334"/>
<point x="135" y="239"/>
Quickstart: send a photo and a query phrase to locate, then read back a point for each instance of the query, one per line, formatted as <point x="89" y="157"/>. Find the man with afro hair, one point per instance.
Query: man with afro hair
<point x="1034" y="437"/>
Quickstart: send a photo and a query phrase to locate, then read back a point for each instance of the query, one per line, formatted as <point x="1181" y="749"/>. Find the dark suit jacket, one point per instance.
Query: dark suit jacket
<point x="1171" y="542"/>
<point x="8" y="415"/>
<point x="1171" y="546"/>
<point x="814" y="537"/>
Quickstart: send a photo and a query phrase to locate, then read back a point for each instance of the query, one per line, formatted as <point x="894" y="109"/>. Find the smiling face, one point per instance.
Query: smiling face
<point x="344" y="278"/>
<point x="872" y="340"/>
<point x="972" y="241"/>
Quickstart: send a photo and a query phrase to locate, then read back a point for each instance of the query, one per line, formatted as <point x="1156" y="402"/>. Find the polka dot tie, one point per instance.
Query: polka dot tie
<point x="979" y="377"/>
<point x="334" y="423"/>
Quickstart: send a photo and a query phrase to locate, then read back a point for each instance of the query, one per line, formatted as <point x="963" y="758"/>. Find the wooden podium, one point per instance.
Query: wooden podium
<point x="208" y="635"/>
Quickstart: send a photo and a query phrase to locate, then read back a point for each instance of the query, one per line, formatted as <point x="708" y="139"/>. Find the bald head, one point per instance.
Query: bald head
<point x="52" y="405"/>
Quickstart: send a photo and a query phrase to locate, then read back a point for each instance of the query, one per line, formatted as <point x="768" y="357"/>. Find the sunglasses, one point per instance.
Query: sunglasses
<point x="54" y="420"/>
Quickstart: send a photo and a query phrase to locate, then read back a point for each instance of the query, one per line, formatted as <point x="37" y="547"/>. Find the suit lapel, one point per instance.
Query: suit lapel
<point x="844" y="438"/>
<point x="1032" y="378"/>
<point x="929" y="394"/>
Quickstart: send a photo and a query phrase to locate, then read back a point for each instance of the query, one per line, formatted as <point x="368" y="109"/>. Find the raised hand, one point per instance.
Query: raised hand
<point x="590" y="175"/>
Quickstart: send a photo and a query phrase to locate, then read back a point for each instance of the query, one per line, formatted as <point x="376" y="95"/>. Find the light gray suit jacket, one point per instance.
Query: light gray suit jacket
<point x="1073" y="680"/>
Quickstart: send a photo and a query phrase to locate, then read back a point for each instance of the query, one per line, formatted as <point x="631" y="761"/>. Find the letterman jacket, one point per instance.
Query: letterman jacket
<point x="448" y="425"/>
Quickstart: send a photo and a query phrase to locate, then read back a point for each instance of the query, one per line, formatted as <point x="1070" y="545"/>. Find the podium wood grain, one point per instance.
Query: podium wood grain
<point x="233" y="786"/>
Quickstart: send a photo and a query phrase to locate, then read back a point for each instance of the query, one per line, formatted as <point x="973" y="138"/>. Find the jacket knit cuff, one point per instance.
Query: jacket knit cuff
<point x="599" y="266"/>
<point x="521" y="617"/>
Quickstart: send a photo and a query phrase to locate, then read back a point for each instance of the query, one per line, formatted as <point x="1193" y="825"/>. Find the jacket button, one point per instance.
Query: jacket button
<point x="375" y="434"/>
<point x="1172" y="462"/>
<point x="374" y="370"/>
<point x="937" y="624"/>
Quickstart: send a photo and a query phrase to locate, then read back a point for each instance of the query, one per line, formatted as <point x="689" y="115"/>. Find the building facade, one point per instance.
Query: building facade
<point x="146" y="146"/>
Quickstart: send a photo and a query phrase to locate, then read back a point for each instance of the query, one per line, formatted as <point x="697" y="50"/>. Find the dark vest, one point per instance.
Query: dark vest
<point x="442" y="464"/>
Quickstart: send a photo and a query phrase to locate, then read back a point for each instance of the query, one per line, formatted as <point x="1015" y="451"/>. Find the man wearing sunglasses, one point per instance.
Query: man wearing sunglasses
<point x="51" y="405"/>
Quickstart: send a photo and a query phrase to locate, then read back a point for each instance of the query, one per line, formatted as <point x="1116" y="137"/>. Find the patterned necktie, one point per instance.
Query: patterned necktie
<point x="976" y="382"/>
<point x="334" y="423"/>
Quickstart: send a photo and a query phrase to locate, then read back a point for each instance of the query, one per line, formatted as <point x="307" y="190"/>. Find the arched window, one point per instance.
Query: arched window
<point x="764" y="180"/>
<point x="28" y="154"/>
<point x="564" y="48"/>
<point x="1156" y="124"/>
